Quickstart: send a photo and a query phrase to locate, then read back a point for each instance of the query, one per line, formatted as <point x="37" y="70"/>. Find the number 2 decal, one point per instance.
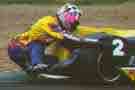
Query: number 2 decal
<point x="119" y="45"/>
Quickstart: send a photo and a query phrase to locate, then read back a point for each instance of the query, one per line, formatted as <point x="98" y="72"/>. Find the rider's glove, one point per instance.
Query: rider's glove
<point x="71" y="37"/>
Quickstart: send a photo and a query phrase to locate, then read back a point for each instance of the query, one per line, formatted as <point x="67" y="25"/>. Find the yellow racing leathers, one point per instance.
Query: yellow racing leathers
<point x="45" y="31"/>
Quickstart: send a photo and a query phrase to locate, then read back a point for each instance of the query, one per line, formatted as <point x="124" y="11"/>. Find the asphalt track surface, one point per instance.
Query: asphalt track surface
<point x="10" y="83"/>
<point x="63" y="87"/>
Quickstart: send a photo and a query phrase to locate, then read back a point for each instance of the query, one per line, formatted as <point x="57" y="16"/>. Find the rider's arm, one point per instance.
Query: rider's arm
<point x="46" y="25"/>
<point x="52" y="33"/>
<point x="71" y="37"/>
<point x="79" y="39"/>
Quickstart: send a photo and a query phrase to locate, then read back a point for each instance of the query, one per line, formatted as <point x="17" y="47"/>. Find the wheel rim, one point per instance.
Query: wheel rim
<point x="103" y="70"/>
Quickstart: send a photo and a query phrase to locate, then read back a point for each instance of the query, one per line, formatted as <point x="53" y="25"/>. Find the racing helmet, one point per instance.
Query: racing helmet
<point x="69" y="15"/>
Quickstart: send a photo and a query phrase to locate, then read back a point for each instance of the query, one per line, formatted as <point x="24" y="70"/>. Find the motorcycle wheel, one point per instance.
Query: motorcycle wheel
<point x="106" y="70"/>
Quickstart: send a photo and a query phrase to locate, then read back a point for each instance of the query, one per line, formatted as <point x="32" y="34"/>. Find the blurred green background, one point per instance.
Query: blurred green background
<point x="63" y="1"/>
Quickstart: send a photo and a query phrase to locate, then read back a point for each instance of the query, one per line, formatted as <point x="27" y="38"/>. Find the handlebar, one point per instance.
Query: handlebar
<point x="91" y="40"/>
<point x="73" y="41"/>
<point x="78" y="39"/>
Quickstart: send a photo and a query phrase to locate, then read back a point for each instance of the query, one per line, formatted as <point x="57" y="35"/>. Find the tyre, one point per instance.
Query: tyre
<point x="106" y="70"/>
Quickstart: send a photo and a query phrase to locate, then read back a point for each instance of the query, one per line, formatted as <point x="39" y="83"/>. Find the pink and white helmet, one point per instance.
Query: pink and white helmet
<point x="69" y="15"/>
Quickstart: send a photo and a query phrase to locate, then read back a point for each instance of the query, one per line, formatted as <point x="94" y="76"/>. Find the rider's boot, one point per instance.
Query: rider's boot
<point x="36" y="69"/>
